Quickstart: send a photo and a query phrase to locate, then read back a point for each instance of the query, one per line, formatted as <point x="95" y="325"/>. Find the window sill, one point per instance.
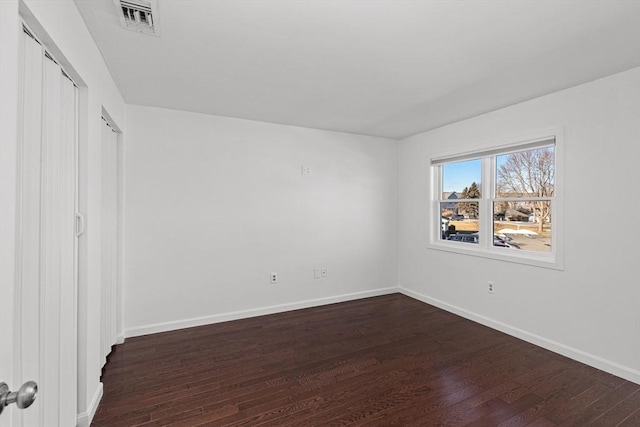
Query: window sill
<point x="518" y="256"/>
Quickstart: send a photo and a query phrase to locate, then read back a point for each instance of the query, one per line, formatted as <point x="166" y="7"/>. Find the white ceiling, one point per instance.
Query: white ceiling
<point x="384" y="68"/>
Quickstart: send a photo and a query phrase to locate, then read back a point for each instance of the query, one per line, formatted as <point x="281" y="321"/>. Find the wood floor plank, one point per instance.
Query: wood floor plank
<point x="578" y="403"/>
<point x="383" y="361"/>
<point x="542" y="422"/>
<point x="632" y="420"/>
<point x="602" y="405"/>
<point x="620" y="412"/>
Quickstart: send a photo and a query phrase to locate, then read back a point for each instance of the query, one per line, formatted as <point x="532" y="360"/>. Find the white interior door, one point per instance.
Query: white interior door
<point x="109" y="228"/>
<point x="45" y="345"/>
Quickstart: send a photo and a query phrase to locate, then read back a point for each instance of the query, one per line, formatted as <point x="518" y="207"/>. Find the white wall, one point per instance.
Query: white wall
<point x="61" y="28"/>
<point x="591" y="310"/>
<point x="214" y="204"/>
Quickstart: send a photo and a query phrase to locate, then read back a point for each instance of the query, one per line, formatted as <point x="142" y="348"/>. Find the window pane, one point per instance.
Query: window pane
<point x="522" y="225"/>
<point x="462" y="180"/>
<point x="459" y="218"/>
<point x="529" y="173"/>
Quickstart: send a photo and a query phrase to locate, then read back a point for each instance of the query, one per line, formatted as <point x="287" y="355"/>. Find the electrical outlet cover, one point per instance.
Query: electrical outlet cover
<point x="491" y="287"/>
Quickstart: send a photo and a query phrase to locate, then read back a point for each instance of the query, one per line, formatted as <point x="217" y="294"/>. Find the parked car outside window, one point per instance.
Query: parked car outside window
<point x="505" y="242"/>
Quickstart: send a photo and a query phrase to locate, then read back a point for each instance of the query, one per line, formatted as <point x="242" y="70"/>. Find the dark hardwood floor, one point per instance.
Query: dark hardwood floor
<point x="384" y="361"/>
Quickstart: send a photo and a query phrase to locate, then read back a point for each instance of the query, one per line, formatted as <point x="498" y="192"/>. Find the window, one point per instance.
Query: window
<point x="499" y="203"/>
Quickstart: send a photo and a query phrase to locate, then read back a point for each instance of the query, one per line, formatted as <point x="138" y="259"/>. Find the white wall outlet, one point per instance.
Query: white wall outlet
<point x="316" y="273"/>
<point x="305" y="169"/>
<point x="491" y="287"/>
<point x="323" y="272"/>
<point x="274" y="277"/>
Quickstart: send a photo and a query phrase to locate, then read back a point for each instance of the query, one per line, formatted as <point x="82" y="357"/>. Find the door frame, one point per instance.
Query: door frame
<point x="10" y="29"/>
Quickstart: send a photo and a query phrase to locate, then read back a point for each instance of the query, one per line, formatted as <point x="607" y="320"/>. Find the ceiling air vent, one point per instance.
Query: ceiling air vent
<point x="139" y="15"/>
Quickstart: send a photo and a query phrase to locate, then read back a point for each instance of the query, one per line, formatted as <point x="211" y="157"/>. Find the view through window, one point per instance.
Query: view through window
<point x="501" y="200"/>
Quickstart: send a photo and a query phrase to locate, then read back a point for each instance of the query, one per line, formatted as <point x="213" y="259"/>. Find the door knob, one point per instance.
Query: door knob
<point x="23" y="398"/>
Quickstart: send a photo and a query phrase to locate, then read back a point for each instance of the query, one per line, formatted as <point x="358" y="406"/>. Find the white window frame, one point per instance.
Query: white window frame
<point x="485" y="248"/>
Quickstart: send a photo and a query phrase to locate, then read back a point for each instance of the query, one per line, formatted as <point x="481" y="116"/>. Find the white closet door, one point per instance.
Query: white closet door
<point x="109" y="203"/>
<point x="28" y="276"/>
<point x="68" y="249"/>
<point x="52" y="235"/>
<point x="46" y="341"/>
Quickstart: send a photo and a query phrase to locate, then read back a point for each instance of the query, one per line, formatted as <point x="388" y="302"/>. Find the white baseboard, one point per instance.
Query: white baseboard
<point x="243" y="314"/>
<point x="84" y="419"/>
<point x="570" y="352"/>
